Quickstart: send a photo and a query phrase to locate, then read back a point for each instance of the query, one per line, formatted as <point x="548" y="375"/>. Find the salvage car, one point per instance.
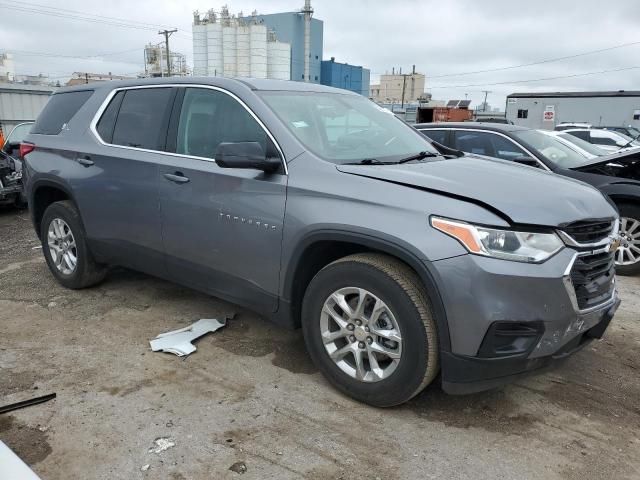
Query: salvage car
<point x="604" y="139"/>
<point x="615" y="175"/>
<point x="11" y="190"/>
<point x="319" y="209"/>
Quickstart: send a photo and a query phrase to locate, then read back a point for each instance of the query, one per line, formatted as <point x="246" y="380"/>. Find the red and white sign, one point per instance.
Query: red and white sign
<point x="549" y="114"/>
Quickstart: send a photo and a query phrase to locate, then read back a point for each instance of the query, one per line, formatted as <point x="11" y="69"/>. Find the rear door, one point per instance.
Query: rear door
<point x="222" y="228"/>
<point x="118" y="193"/>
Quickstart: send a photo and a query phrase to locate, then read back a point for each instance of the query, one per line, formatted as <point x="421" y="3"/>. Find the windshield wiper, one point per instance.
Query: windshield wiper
<point x="370" y="161"/>
<point x="628" y="144"/>
<point x="418" y="156"/>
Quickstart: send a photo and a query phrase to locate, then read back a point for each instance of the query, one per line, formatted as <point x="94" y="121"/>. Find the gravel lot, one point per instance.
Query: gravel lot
<point x="250" y="394"/>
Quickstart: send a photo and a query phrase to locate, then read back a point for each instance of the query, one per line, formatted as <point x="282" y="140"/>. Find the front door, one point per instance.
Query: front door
<point x="221" y="227"/>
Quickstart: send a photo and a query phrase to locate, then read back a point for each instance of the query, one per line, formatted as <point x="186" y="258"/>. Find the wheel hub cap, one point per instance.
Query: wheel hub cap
<point x="628" y="252"/>
<point x="62" y="246"/>
<point x="361" y="334"/>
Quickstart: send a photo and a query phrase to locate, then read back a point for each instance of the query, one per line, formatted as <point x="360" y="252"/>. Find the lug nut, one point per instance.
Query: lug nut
<point x="358" y="322"/>
<point x="369" y="340"/>
<point x="352" y="338"/>
<point x="366" y="329"/>
<point x="361" y="344"/>
<point x="350" y="327"/>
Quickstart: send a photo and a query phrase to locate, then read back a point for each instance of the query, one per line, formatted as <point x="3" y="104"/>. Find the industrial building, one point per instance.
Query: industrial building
<point x="343" y="75"/>
<point x="7" y="68"/>
<point x="238" y="46"/>
<point x="78" y="78"/>
<point x="21" y="103"/>
<point x="399" y="88"/>
<point x="155" y="61"/>
<point x="546" y="110"/>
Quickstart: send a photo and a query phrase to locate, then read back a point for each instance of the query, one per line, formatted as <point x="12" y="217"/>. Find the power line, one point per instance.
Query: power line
<point x="60" y="55"/>
<point x="535" y="79"/>
<point x="540" y="62"/>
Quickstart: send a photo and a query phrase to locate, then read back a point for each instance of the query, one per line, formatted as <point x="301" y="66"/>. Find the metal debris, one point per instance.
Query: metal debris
<point x="144" y="468"/>
<point x="162" y="444"/>
<point x="179" y="343"/>
<point x="12" y="467"/>
<point x="27" y="403"/>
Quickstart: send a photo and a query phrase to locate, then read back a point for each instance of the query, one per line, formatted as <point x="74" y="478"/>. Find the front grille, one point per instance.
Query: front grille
<point x="592" y="277"/>
<point x="589" y="231"/>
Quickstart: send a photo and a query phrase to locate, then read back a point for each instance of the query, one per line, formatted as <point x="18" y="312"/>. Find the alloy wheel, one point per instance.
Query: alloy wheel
<point x="361" y="335"/>
<point x="629" y="251"/>
<point x="62" y="246"/>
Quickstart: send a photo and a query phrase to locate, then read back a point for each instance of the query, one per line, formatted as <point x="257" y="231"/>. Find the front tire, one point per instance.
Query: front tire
<point x="368" y="327"/>
<point x="65" y="247"/>
<point x="628" y="254"/>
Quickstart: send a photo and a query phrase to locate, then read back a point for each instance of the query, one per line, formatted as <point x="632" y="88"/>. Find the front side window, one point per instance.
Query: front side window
<point x="141" y="120"/>
<point x="209" y="117"/>
<point x="343" y="128"/>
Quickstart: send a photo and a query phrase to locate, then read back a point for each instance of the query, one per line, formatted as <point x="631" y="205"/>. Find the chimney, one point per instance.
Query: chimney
<point x="393" y="70"/>
<point x="414" y="70"/>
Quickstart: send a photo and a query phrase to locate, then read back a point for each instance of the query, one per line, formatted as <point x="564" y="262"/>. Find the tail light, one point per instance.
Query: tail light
<point x="26" y="148"/>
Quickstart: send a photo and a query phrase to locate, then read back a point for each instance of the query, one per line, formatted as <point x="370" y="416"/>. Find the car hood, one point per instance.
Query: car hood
<point x="520" y="194"/>
<point x="622" y="157"/>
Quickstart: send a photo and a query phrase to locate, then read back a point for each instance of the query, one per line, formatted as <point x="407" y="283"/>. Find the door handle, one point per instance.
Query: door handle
<point x="85" y="161"/>
<point x="177" y="177"/>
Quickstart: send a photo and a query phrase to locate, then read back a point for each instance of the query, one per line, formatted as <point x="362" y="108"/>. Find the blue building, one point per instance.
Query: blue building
<point x="289" y="27"/>
<point x="343" y="75"/>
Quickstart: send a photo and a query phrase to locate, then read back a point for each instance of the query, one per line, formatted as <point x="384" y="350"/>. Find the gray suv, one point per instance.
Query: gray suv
<point x="317" y="208"/>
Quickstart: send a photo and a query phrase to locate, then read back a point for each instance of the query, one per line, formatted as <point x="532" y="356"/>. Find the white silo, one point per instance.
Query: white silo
<point x="243" y="45"/>
<point x="258" y="45"/>
<point x="199" y="46"/>
<point x="278" y="60"/>
<point x="214" y="48"/>
<point x="229" y="32"/>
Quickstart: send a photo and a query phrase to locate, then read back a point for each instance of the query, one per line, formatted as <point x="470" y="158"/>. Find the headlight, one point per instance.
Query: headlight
<point x="528" y="247"/>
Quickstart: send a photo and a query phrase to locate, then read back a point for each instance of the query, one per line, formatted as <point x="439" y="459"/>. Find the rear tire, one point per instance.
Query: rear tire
<point x="63" y="240"/>
<point x="629" y="236"/>
<point x="385" y="285"/>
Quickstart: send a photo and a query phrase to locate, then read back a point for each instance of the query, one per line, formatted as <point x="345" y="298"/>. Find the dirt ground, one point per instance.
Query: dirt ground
<point x="250" y="397"/>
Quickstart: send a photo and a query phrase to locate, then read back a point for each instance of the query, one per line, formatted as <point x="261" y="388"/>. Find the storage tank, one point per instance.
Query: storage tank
<point x="278" y="60"/>
<point x="243" y="44"/>
<point x="258" y="45"/>
<point x="229" y="57"/>
<point x="214" y="49"/>
<point x="200" y="50"/>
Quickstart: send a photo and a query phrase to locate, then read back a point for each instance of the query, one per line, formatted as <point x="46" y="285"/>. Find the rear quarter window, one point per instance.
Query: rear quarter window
<point x="59" y="110"/>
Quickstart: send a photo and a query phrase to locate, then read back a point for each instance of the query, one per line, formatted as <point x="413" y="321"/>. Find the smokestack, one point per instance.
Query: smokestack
<point x="414" y="70"/>
<point x="307" y="11"/>
<point x="393" y="70"/>
<point x="400" y="70"/>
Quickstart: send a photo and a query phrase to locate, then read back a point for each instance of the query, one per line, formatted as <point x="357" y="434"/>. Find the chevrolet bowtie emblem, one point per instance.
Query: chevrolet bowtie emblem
<point x="614" y="245"/>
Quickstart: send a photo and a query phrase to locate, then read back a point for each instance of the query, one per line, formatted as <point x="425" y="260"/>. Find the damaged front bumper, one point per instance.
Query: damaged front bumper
<point x="508" y="319"/>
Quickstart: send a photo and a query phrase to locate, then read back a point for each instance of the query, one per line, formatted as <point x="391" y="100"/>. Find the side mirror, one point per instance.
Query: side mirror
<point x="530" y="161"/>
<point x="10" y="147"/>
<point x="245" y="155"/>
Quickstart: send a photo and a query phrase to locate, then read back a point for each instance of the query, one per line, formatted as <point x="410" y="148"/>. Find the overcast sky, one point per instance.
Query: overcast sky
<point x="439" y="37"/>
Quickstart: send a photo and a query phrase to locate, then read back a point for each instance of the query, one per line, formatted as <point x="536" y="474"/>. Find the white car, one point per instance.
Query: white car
<point x="605" y="139"/>
<point x="586" y="149"/>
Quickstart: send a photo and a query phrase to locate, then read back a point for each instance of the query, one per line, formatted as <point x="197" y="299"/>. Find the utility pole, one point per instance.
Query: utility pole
<point x="484" y="107"/>
<point x="167" y="34"/>
<point x="404" y="82"/>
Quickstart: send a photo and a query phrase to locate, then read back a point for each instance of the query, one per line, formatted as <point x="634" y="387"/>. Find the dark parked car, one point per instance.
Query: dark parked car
<point x="616" y="175"/>
<point x="317" y="208"/>
<point x="11" y="189"/>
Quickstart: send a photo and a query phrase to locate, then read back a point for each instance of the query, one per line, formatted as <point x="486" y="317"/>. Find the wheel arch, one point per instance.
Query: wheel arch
<point x="42" y="194"/>
<point x="320" y="248"/>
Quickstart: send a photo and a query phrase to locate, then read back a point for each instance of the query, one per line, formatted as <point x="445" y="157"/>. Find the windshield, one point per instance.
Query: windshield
<point x="583" y="144"/>
<point x="634" y="132"/>
<point x="345" y="128"/>
<point x="551" y="148"/>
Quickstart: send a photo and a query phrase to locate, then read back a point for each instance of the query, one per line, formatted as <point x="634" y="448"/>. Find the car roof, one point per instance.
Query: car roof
<point x="251" y="83"/>
<point x="497" y="127"/>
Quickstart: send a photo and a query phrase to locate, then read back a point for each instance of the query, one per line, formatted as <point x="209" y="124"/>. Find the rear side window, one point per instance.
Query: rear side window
<point x="59" y="110"/>
<point x="108" y="120"/>
<point x="142" y="118"/>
